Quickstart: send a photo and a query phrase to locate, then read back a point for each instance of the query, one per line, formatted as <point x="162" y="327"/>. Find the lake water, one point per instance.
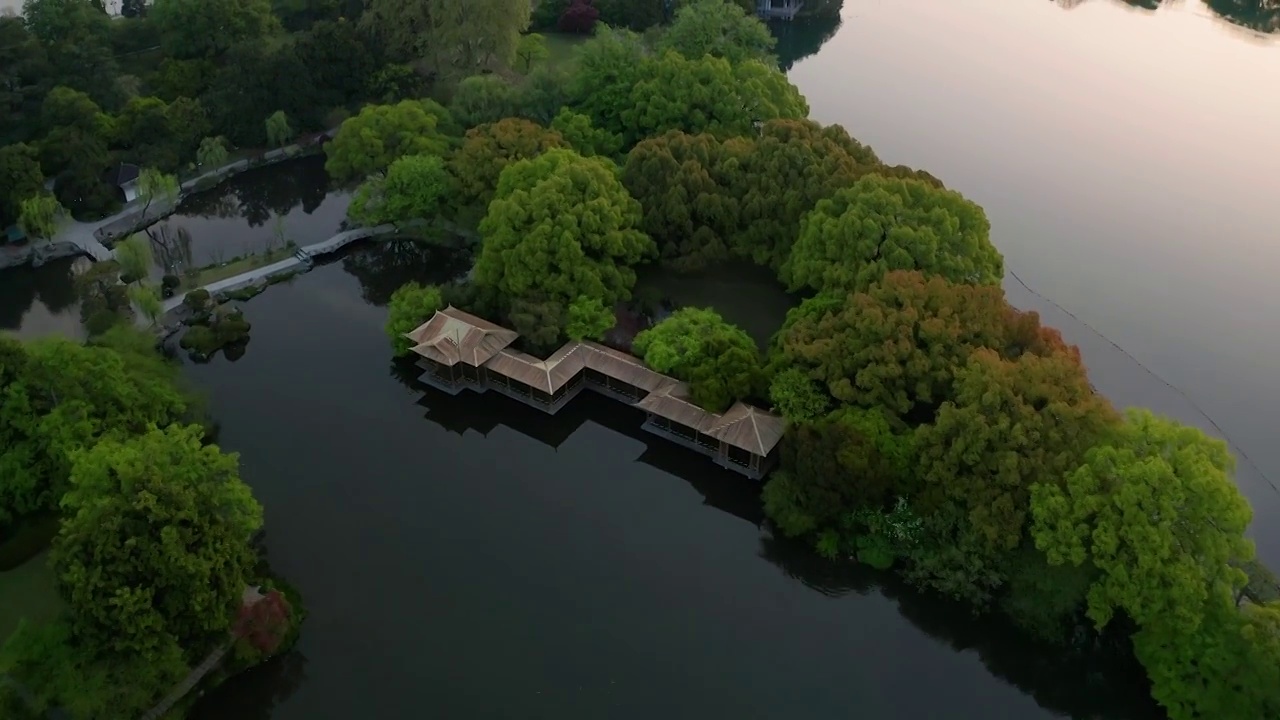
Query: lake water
<point x="1129" y="164"/>
<point x="470" y="557"/>
<point x="480" y="558"/>
<point x="257" y="211"/>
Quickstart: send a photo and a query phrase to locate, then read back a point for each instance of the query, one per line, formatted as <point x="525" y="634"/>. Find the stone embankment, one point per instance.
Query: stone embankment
<point x="301" y="261"/>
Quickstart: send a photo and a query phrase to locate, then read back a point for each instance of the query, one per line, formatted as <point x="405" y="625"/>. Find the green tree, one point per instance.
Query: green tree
<point x="719" y="361"/>
<point x="135" y="258"/>
<point x="900" y="345"/>
<point x="155" y="185"/>
<point x="530" y="49"/>
<point x="1227" y="668"/>
<point x="75" y="148"/>
<point x="1012" y="425"/>
<point x="797" y="396"/>
<point x="208" y="28"/>
<point x="483" y="99"/>
<point x="588" y="319"/>
<point x="608" y="67"/>
<point x="416" y="187"/>
<point x="454" y="39"/>
<point x="707" y="199"/>
<point x="38" y="216"/>
<point x="379" y="134"/>
<point x="720" y="29"/>
<point x="881" y="224"/>
<point x="1157" y="513"/>
<point x="410" y="306"/>
<point x="20" y="179"/>
<point x="834" y="466"/>
<point x="708" y="94"/>
<point x="212" y="153"/>
<point x="781" y="176"/>
<point x="279" y="133"/>
<point x="561" y="227"/>
<point x="60" y="21"/>
<point x="60" y="397"/>
<point x="488" y="149"/>
<point x="145" y="128"/>
<point x="155" y="542"/>
<point x="583" y="137"/>
<point x="147" y="301"/>
<point x="689" y="211"/>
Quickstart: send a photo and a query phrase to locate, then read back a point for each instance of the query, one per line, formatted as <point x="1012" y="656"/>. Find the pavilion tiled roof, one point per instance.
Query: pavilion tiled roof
<point x="452" y="336"/>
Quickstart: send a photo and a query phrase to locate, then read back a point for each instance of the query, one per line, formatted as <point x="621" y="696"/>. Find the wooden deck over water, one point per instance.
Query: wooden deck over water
<point x="460" y="351"/>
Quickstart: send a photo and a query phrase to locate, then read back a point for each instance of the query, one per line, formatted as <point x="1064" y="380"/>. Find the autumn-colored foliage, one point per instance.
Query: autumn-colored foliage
<point x="580" y="17"/>
<point x="264" y="624"/>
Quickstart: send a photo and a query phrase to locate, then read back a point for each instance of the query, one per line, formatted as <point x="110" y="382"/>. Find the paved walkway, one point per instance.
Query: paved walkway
<point x="88" y="236"/>
<point x="300" y="260"/>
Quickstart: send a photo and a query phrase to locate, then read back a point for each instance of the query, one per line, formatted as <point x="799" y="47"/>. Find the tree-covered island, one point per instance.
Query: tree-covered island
<point x="933" y="429"/>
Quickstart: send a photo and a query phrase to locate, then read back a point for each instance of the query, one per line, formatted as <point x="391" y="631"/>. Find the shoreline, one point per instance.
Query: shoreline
<point x="95" y="239"/>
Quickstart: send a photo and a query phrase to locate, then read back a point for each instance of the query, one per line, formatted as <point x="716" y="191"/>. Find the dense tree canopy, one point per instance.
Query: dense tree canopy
<point x="488" y="149"/>
<point x="415" y="187"/>
<point x="60" y="398"/>
<point x="899" y="345"/>
<point x="706" y="199"/>
<point x="373" y="139"/>
<point x="1135" y="509"/>
<point x="720" y="29"/>
<point x="708" y="94"/>
<point x="411" y="305"/>
<point x="455" y="39"/>
<point x="561" y="227"/>
<point x="207" y="28"/>
<point x="880" y="224"/>
<point x="719" y="361"/>
<point x="155" y="545"/>
<point x="584" y="137"/>
<point x="20" y="179"/>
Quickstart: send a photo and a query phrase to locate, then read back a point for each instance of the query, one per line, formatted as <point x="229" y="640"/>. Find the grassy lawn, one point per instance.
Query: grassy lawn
<point x="560" y="49"/>
<point x="235" y="267"/>
<point x="27" y="591"/>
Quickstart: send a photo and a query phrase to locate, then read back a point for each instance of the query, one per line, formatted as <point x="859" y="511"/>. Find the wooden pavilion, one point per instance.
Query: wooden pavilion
<point x="458" y="350"/>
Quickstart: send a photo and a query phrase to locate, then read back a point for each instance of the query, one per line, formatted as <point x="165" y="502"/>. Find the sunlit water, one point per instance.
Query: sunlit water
<point x="1128" y="161"/>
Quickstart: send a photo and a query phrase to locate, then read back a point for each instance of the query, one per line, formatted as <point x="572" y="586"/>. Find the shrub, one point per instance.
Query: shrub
<point x="197" y="301"/>
<point x="580" y="17"/>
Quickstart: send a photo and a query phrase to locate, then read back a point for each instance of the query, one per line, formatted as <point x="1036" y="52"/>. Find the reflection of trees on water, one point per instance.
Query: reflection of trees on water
<point x="1260" y="15"/>
<point x="1099" y="679"/>
<point x="52" y="284"/>
<point x="171" y="248"/>
<point x="805" y="35"/>
<point x="259" y="194"/>
<point x="254" y="695"/>
<point x="382" y="266"/>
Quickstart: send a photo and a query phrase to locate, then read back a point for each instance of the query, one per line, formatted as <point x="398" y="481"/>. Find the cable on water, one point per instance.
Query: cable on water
<point x="1196" y="406"/>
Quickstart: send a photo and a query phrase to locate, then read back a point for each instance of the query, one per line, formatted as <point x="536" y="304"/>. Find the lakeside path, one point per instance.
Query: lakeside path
<point x="88" y="237"/>
<point x="300" y="262"/>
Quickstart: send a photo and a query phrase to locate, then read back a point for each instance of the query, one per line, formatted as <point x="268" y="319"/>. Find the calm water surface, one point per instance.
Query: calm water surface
<point x="1129" y="164"/>
<point x="472" y="558"/>
<point x="254" y="212"/>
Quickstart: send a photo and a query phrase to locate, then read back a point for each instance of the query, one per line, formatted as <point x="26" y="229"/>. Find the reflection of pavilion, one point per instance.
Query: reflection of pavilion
<point x="459" y="414"/>
<point x="461" y="351"/>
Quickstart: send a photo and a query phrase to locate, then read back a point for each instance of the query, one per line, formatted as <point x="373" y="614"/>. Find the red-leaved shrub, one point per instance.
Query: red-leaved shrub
<point x="264" y="623"/>
<point x="579" y="17"/>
